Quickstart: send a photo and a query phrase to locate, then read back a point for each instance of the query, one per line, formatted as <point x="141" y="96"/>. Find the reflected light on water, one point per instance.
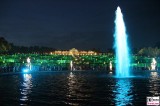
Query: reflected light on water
<point x="26" y="87"/>
<point x="153" y="84"/>
<point x="71" y="82"/>
<point x="123" y="89"/>
<point x="71" y="89"/>
<point x="154" y="75"/>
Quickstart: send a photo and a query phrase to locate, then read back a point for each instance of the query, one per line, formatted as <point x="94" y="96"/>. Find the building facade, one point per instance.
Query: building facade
<point x="74" y="51"/>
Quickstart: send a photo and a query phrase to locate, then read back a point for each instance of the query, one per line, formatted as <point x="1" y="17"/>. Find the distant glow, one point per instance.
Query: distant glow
<point x="122" y="54"/>
<point x="25" y="70"/>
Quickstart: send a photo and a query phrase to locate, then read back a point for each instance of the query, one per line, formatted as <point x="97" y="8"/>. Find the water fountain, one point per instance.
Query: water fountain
<point x="28" y="66"/>
<point x="121" y="46"/>
<point x="71" y="65"/>
<point x="110" y="65"/>
<point x="29" y="63"/>
<point x="153" y="64"/>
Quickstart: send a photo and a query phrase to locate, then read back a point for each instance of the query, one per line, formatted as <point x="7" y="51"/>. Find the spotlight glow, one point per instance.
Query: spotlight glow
<point x="25" y="70"/>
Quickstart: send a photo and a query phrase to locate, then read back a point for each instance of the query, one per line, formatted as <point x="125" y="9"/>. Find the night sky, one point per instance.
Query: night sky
<point x="83" y="24"/>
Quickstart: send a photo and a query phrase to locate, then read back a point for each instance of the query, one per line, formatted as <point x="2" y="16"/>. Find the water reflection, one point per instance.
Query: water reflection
<point x="26" y="87"/>
<point x="71" y="84"/>
<point x="123" y="90"/>
<point x="71" y="89"/>
<point x="154" y="84"/>
<point x="154" y="75"/>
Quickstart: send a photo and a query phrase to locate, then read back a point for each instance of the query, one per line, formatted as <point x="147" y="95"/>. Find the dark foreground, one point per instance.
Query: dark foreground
<point x="79" y="88"/>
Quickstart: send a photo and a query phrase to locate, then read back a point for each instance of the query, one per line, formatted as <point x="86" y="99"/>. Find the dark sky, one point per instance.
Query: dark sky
<point x="83" y="24"/>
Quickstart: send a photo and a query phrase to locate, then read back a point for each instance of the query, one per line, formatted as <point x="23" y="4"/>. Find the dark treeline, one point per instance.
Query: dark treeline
<point x="31" y="49"/>
<point x="6" y="47"/>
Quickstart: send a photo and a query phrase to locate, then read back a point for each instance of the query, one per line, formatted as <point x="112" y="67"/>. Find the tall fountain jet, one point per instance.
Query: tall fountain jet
<point x="121" y="46"/>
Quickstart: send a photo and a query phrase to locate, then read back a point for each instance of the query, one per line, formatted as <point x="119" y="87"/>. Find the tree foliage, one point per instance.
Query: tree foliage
<point x="4" y="45"/>
<point x="152" y="52"/>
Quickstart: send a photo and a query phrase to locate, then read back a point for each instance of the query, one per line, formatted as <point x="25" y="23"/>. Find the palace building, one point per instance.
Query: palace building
<point x="74" y="51"/>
